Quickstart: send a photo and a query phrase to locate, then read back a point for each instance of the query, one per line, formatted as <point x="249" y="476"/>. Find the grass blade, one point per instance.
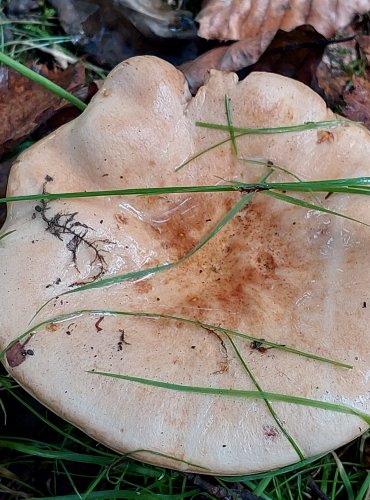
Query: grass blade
<point x="344" y="477"/>
<point x="121" y="192"/>
<point x="55" y="454"/>
<point x="204" y="151"/>
<point x="355" y="185"/>
<point x="229" y="122"/>
<point x="268" y="404"/>
<point x="271" y="130"/>
<point x="303" y="127"/>
<point x="310" y="206"/>
<point x="87" y="494"/>
<point x="164" y="455"/>
<point x="7" y="386"/>
<point x="270" y="164"/>
<point x="238" y="393"/>
<point x="364" y="492"/>
<point x="41" y="80"/>
<point x="262" y="486"/>
<point x="206" y="326"/>
<point x="275" y="472"/>
<point x="152" y="270"/>
<point x="70" y="479"/>
<point x="2" y="236"/>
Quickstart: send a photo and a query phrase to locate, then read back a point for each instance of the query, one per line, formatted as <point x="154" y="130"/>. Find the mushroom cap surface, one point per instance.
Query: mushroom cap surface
<point x="285" y="274"/>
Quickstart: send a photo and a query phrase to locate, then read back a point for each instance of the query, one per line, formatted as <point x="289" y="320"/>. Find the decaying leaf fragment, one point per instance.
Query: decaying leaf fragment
<point x="255" y="24"/>
<point x="295" y="54"/>
<point x="259" y="20"/>
<point x="357" y="101"/>
<point x="25" y="105"/>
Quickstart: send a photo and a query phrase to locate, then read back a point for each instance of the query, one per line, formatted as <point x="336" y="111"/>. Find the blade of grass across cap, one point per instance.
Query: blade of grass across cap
<point x="230" y="124"/>
<point x="41" y="80"/>
<point x="267" y="403"/>
<point x="302" y="127"/>
<point x="353" y="185"/>
<point x="310" y="206"/>
<point x="238" y="393"/>
<point x="33" y="329"/>
<point x="356" y="185"/>
<point x="273" y="166"/>
<point x="251" y="131"/>
<point x="151" y="315"/>
<point x="121" y="192"/>
<point x="204" y="151"/>
<point x="2" y="236"/>
<point x="153" y="270"/>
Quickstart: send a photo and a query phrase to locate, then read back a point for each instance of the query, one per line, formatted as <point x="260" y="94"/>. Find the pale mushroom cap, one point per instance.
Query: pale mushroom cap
<point x="276" y="271"/>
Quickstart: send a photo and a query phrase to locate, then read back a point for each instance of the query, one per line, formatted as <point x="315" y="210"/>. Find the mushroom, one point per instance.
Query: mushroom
<point x="278" y="273"/>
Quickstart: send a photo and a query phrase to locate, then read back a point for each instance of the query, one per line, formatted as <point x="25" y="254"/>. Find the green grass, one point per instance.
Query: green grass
<point x="58" y="461"/>
<point x="40" y="36"/>
<point x="59" y="447"/>
<point x="39" y="30"/>
<point x="41" y="80"/>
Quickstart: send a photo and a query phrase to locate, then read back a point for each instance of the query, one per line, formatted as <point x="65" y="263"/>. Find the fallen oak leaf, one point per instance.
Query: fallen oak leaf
<point x="22" y="101"/>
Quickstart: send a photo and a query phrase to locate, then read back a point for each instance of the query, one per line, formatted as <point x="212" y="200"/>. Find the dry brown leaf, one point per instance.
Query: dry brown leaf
<point x="364" y="43"/>
<point x="260" y="19"/>
<point x="295" y="54"/>
<point x="339" y="64"/>
<point x="255" y="24"/>
<point x="357" y="101"/>
<point x="24" y="104"/>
